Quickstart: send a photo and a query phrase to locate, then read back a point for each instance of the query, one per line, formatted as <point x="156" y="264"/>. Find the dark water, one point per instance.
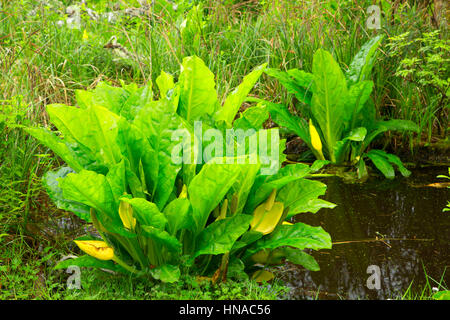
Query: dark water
<point x="401" y="209"/>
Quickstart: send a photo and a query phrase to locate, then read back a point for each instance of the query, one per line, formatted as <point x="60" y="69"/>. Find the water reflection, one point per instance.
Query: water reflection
<point x="391" y="210"/>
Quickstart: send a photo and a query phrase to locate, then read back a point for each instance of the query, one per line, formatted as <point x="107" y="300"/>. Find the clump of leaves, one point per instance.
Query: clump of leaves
<point x="424" y="61"/>
<point x="338" y="118"/>
<point x="161" y="218"/>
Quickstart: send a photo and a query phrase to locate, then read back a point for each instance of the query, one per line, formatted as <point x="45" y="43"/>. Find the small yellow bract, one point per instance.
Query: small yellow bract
<point x="96" y="248"/>
<point x="265" y="221"/>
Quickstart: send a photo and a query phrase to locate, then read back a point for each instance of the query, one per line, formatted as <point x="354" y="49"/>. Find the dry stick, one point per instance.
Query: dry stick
<point x="377" y="239"/>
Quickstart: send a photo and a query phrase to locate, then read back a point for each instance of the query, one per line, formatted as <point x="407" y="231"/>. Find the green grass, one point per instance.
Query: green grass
<point x="26" y="273"/>
<point x="430" y="288"/>
<point x="41" y="63"/>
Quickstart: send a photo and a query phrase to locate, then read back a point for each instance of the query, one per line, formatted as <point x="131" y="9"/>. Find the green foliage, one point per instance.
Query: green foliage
<point x="424" y="62"/>
<point x="26" y="273"/>
<point x="340" y="108"/>
<point x="160" y="217"/>
<point x="21" y="162"/>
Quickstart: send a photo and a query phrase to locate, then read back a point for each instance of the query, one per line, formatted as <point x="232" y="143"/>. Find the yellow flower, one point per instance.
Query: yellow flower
<point x="264" y="220"/>
<point x="262" y="275"/>
<point x="126" y="215"/>
<point x="315" y="139"/>
<point x="85" y="35"/>
<point x="183" y="193"/>
<point x="96" y="248"/>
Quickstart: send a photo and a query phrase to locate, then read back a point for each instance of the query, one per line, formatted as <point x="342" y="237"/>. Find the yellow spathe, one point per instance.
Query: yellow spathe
<point x="96" y="248"/>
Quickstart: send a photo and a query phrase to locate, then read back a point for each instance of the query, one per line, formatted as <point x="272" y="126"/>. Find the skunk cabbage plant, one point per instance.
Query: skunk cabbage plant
<point x="154" y="216"/>
<point x="339" y="110"/>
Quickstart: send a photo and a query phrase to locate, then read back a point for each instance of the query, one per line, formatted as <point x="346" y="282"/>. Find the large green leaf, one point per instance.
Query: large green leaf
<point x="252" y="118"/>
<point x="56" y="194"/>
<point x="88" y="261"/>
<point x="302" y="196"/>
<point x="399" y="125"/>
<point x="116" y="178"/>
<point x="355" y="104"/>
<point x="165" y="83"/>
<point x="208" y="188"/>
<point x="91" y="189"/>
<point x="265" y="184"/>
<point x="136" y="148"/>
<point x="383" y="126"/>
<point x="300" y="257"/>
<point x="162" y="238"/>
<point x="125" y="100"/>
<point x="243" y="185"/>
<point x="177" y="214"/>
<point x="382" y="164"/>
<point x="392" y="159"/>
<point x="49" y="139"/>
<point x="362" y="64"/>
<point x="220" y="236"/>
<point x="299" y="235"/>
<point x="94" y="128"/>
<point x="147" y="213"/>
<point x="166" y="273"/>
<point x="234" y="100"/>
<point x="328" y="100"/>
<point x="158" y="124"/>
<point x="281" y="116"/>
<point x="295" y="81"/>
<point x="198" y="95"/>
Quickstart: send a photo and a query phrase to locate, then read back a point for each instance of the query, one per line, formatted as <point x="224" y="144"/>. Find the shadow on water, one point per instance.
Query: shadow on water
<point x="398" y="209"/>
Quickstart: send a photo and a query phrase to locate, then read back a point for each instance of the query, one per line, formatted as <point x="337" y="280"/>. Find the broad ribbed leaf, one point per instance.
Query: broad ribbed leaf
<point x="165" y="83"/>
<point x="198" y="95"/>
<point x="281" y="116"/>
<point x="94" y="128"/>
<point x="177" y="214"/>
<point x="295" y="81"/>
<point x="392" y="159"/>
<point x="89" y="188"/>
<point x="302" y="196"/>
<point x="265" y="184"/>
<point x="243" y="185"/>
<point x="220" y="236"/>
<point x="158" y="124"/>
<point x="50" y="140"/>
<point x="234" y="100"/>
<point x="56" y="194"/>
<point x="252" y="118"/>
<point x="299" y="235"/>
<point x="147" y="213"/>
<point x="208" y="188"/>
<point x="300" y="257"/>
<point x="362" y="64"/>
<point x="166" y="273"/>
<point x="399" y="125"/>
<point x="328" y="101"/>
<point x="382" y="164"/>
<point x="162" y="238"/>
<point x="88" y="261"/>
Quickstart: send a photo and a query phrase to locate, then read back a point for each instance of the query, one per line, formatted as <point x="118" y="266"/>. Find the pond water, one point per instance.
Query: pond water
<point x="405" y="213"/>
